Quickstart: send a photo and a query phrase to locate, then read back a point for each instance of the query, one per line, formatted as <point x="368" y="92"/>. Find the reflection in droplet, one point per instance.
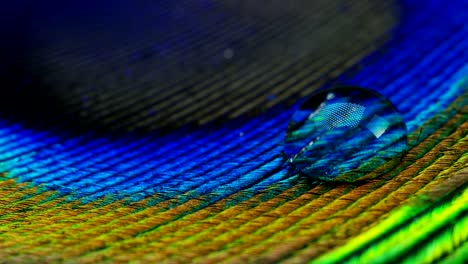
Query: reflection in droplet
<point x="345" y="134"/>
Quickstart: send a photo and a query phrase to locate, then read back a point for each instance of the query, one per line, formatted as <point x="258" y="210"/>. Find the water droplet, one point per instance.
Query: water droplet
<point x="345" y="134"/>
<point x="228" y="54"/>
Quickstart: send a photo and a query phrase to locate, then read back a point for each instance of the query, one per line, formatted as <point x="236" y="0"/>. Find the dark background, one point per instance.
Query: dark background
<point x="146" y="65"/>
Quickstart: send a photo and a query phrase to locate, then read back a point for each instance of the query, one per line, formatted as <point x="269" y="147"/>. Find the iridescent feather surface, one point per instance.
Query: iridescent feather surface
<point x="153" y="132"/>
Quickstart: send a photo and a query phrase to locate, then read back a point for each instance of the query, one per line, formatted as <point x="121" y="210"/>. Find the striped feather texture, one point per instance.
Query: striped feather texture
<point x="103" y="192"/>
